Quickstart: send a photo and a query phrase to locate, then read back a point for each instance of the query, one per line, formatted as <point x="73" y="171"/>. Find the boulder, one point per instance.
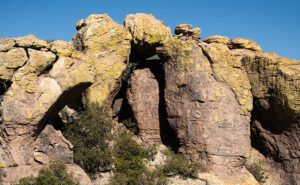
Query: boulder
<point x="217" y="39"/>
<point x="62" y="48"/>
<point x="204" y="112"/>
<point x="188" y="31"/>
<point x="31" y="41"/>
<point x="51" y="145"/>
<point x="10" y="61"/>
<point x="143" y="98"/>
<point x="147" y="32"/>
<point x="6" y="44"/>
<point x="107" y="44"/>
<point x="244" y="43"/>
<point x="14" y="174"/>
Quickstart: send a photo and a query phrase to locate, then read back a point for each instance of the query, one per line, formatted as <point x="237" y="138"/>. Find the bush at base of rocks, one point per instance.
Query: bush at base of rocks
<point x="130" y="160"/>
<point x="90" y="136"/>
<point x="55" y="174"/>
<point x="178" y="164"/>
<point x="257" y="170"/>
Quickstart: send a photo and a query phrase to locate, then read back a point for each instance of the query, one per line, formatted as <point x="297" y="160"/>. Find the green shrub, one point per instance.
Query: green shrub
<point x="55" y="174"/>
<point x="257" y="170"/>
<point x="90" y="136"/>
<point x="129" y="161"/>
<point x="178" y="164"/>
<point x="130" y="125"/>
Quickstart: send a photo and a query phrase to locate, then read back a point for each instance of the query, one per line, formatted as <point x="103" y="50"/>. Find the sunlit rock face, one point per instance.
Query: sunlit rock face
<point x="215" y="98"/>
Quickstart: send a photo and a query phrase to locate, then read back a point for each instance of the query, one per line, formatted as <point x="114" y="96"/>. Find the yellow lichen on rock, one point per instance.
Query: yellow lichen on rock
<point x="227" y="67"/>
<point x="31" y="41"/>
<point x="107" y="45"/>
<point x="70" y="72"/>
<point x="280" y="75"/>
<point x="10" y="61"/>
<point x="244" y="43"/>
<point x="62" y="48"/>
<point x="146" y="29"/>
<point x="217" y="39"/>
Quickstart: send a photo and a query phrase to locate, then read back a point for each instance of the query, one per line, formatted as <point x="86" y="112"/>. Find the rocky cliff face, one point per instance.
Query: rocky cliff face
<point x="211" y="100"/>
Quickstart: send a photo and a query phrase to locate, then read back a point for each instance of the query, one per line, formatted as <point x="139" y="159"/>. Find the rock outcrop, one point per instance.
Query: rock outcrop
<point x="148" y="33"/>
<point x="203" y="111"/>
<point x="107" y="44"/>
<point x="219" y="96"/>
<point x="188" y="31"/>
<point x="276" y="115"/>
<point x="143" y="97"/>
<point x="42" y="83"/>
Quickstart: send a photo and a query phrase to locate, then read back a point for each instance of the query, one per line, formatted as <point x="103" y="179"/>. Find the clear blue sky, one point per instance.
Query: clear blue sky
<point x="274" y="24"/>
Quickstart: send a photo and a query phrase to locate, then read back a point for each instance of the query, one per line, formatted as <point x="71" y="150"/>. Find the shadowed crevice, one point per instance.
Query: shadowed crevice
<point x="66" y="98"/>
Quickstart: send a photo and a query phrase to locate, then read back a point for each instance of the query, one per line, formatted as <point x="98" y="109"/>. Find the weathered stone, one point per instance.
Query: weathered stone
<point x="70" y="72"/>
<point x="227" y="67"/>
<point x="68" y="115"/>
<point x="188" y="30"/>
<point x="33" y="100"/>
<point x="108" y="45"/>
<point x="38" y="62"/>
<point x="31" y="40"/>
<point x="204" y="112"/>
<point x="147" y="32"/>
<point x="6" y="44"/>
<point x="244" y="43"/>
<point x="143" y="97"/>
<point x="14" y="174"/>
<point x="276" y="90"/>
<point x="62" y="48"/>
<point x="51" y="145"/>
<point x="10" y="61"/>
<point x="217" y="39"/>
<point x="272" y="169"/>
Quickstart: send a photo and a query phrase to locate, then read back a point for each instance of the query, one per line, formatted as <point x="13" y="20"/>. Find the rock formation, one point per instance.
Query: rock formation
<point x="107" y="44"/>
<point x="214" y="98"/>
<point x="143" y="97"/>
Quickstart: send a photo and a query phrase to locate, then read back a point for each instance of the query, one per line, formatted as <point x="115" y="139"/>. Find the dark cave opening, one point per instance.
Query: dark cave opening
<point x="271" y="120"/>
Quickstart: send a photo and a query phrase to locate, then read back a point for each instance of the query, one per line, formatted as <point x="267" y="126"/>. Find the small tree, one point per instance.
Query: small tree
<point x="55" y="174"/>
<point x="90" y="136"/>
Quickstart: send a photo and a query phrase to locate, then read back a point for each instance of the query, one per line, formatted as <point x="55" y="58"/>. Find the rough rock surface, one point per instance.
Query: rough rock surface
<point x="211" y="92"/>
<point x="147" y="32"/>
<point x="203" y="111"/>
<point x="272" y="169"/>
<point x="107" y="44"/>
<point x="217" y="39"/>
<point x="51" y="145"/>
<point x="227" y="67"/>
<point x="42" y="83"/>
<point x="16" y="173"/>
<point x="188" y="30"/>
<point x="276" y="116"/>
<point x="143" y="97"/>
<point x="244" y="43"/>
<point x="10" y="61"/>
